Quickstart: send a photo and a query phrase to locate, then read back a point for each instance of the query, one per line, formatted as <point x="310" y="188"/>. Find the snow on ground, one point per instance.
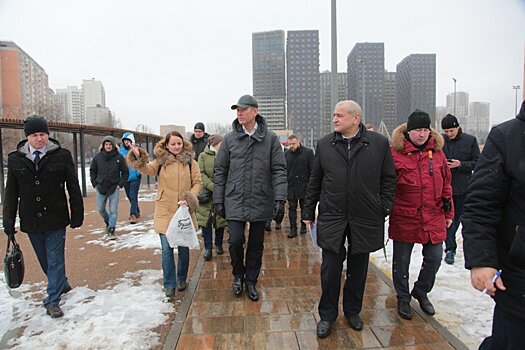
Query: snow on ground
<point x="459" y="307"/>
<point x="120" y="317"/>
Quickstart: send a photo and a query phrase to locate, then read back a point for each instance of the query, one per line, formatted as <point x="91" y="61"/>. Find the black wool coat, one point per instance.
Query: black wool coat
<point x="38" y="193"/>
<point x="108" y="170"/>
<point x="354" y="186"/>
<point x="465" y="148"/>
<point x="299" y="166"/>
<point x="494" y="213"/>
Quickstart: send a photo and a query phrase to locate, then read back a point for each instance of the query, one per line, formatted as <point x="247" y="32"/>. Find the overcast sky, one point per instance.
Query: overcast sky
<point x="179" y="62"/>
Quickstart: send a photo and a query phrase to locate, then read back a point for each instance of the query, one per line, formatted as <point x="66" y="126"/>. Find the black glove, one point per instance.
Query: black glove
<point x="447" y="207"/>
<point x="9" y="231"/>
<point x="278" y="211"/>
<point x="219" y="210"/>
<point x="75" y="224"/>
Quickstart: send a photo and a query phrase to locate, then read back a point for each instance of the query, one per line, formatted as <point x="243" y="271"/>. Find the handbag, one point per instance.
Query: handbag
<point x="204" y="196"/>
<point x="14" y="268"/>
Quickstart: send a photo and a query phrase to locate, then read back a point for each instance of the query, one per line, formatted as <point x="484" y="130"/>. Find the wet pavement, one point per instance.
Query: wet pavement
<point x="285" y="317"/>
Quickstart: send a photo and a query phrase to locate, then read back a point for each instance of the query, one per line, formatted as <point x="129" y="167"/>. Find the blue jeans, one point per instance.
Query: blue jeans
<point x="207" y="233"/>
<point x="132" y="192"/>
<point x="450" y="241"/>
<point x="49" y="249"/>
<point x="109" y="218"/>
<point x="168" y="263"/>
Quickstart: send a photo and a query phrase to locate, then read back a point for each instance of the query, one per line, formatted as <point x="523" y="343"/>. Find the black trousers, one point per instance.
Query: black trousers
<point x="507" y="332"/>
<point x="354" y="288"/>
<point x="254" y="249"/>
<point x="292" y="211"/>
<point x="432" y="254"/>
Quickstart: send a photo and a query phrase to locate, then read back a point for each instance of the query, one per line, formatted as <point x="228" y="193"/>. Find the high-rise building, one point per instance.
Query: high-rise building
<point x="94" y="93"/>
<point x="326" y="103"/>
<point x="479" y="120"/>
<point x="366" y="75"/>
<point x="302" y="63"/>
<point x="24" y="88"/>
<point x="416" y="86"/>
<point x="389" y="101"/>
<point x="269" y="77"/>
<point x="460" y="110"/>
<point x="71" y="102"/>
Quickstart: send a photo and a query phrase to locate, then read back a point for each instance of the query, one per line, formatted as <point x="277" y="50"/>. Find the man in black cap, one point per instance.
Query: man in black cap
<point x="249" y="186"/>
<point x="199" y="139"/>
<point x="36" y="174"/>
<point x="462" y="152"/>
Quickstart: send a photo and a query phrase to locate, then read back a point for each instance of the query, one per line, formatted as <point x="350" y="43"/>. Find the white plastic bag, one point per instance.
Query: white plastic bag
<point x="313" y="234"/>
<point x="181" y="231"/>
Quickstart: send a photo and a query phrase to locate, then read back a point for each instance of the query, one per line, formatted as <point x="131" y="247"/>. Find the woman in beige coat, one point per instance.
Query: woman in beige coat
<point x="179" y="182"/>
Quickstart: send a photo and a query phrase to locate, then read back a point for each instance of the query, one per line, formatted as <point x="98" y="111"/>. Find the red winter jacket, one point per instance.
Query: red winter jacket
<point x="423" y="179"/>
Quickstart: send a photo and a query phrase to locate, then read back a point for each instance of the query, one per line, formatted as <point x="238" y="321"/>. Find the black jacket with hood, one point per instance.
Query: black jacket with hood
<point x="38" y="192"/>
<point x="108" y="169"/>
<point x="354" y="186"/>
<point x="299" y="166"/>
<point x="494" y="212"/>
<point x="463" y="147"/>
<point x="199" y="145"/>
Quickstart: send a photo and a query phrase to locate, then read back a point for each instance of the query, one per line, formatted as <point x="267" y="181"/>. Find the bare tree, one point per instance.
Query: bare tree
<point x="218" y="128"/>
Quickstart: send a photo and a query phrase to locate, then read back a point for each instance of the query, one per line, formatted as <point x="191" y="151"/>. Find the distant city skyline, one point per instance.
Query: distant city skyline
<point x="162" y="65"/>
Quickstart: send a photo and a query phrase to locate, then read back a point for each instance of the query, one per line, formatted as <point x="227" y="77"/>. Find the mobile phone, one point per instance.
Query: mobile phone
<point x="450" y="160"/>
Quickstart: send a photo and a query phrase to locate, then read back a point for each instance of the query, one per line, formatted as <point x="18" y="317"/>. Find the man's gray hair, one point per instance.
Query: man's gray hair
<point x="352" y="107"/>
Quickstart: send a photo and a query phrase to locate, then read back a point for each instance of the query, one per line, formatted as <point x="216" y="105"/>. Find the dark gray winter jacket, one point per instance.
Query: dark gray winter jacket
<point x="250" y="173"/>
<point x="463" y="147"/>
<point x="108" y="169"/>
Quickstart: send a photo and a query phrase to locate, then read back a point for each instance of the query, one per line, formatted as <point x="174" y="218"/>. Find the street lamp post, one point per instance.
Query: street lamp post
<point x="454" y="95"/>
<point x="516" y="87"/>
<point x="362" y="62"/>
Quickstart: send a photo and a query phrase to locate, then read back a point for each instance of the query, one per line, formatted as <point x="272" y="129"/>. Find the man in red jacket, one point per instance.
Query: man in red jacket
<point x="422" y="210"/>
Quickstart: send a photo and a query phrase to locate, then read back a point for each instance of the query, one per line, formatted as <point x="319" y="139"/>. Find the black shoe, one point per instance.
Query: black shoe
<point x="207" y="254"/>
<point x="237" y="286"/>
<point x="66" y="289"/>
<point x="54" y="311"/>
<point x="268" y="227"/>
<point x="293" y="233"/>
<point x="324" y="328"/>
<point x="277" y="226"/>
<point x="220" y="250"/>
<point x="170" y="292"/>
<point x="252" y="292"/>
<point x="404" y="310"/>
<point x="181" y="286"/>
<point x="355" y="322"/>
<point x="424" y="304"/>
<point x="449" y="257"/>
<point x="303" y="229"/>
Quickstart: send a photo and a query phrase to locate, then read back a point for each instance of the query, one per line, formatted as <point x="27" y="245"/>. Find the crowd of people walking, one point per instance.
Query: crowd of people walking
<point x="426" y="184"/>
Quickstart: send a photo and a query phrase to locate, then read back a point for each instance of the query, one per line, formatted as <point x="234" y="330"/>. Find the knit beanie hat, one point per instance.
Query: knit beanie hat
<point x="449" y="122"/>
<point x="418" y="120"/>
<point x="199" y="126"/>
<point x="215" y="139"/>
<point x="35" y="124"/>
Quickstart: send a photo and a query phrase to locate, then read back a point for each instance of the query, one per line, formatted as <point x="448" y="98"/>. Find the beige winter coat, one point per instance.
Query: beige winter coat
<point x="175" y="183"/>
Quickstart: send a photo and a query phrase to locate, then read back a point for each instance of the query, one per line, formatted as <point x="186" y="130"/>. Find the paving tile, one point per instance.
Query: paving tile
<point x="407" y="334"/>
<point x="280" y="323"/>
<point x="300" y="305"/>
<point x="215" y="309"/>
<point x="210" y="325"/>
<point x="338" y="339"/>
<point x="266" y="307"/>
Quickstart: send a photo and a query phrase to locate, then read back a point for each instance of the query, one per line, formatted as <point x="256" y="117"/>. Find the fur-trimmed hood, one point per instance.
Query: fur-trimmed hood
<point x="165" y="158"/>
<point x="399" y="135"/>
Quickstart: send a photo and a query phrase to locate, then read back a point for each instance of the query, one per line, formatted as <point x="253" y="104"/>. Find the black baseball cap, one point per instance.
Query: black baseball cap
<point x="246" y="101"/>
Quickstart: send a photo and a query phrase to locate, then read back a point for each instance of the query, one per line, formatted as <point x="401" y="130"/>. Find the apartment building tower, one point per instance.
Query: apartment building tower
<point x="416" y="86"/>
<point x="303" y="89"/>
<point x="326" y="105"/>
<point x="269" y="77"/>
<point x="366" y="74"/>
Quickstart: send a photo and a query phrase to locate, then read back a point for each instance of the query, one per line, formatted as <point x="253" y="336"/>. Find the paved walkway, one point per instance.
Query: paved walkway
<point x="285" y="317"/>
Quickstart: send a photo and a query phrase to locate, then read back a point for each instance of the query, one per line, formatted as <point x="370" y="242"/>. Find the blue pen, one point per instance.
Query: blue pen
<point x="494" y="279"/>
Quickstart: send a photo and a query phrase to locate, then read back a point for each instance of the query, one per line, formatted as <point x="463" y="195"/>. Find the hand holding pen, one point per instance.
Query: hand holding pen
<point x="494" y="279"/>
<point x="487" y="280"/>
